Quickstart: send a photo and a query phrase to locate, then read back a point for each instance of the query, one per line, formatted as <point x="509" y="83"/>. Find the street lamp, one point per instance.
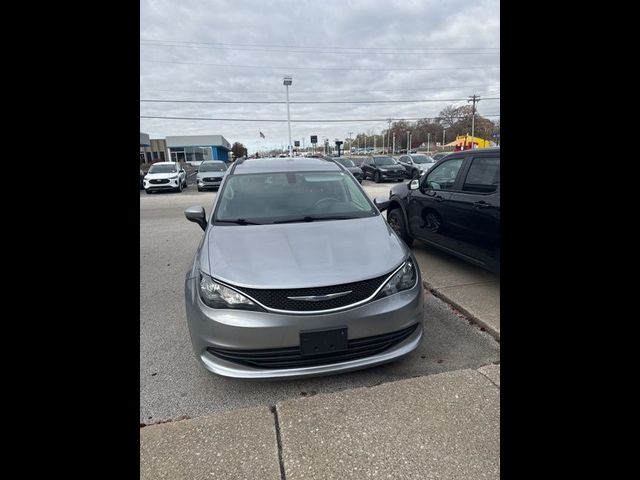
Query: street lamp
<point x="288" y="80"/>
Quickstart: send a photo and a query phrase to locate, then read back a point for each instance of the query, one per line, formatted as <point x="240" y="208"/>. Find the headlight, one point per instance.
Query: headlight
<point x="404" y="279"/>
<point x="173" y="178"/>
<point x="216" y="295"/>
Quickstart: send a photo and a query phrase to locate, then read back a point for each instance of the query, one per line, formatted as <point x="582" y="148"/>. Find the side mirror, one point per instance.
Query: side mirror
<point x="414" y="185"/>
<point x="196" y="215"/>
<point x="381" y="203"/>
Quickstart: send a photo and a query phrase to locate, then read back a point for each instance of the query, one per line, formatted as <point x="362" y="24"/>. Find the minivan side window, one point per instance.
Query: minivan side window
<point x="483" y="175"/>
<point x="443" y="177"/>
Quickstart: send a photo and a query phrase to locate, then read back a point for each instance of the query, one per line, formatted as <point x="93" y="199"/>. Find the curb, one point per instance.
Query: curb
<point x="495" y="334"/>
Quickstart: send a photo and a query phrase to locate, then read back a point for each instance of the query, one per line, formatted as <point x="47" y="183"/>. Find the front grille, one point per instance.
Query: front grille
<point x="290" y="357"/>
<point x="156" y="181"/>
<point x="211" y="179"/>
<point x="394" y="174"/>
<point x="278" y="298"/>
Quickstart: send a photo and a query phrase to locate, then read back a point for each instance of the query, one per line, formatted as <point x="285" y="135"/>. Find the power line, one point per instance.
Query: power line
<point x="412" y="49"/>
<point x="309" y="102"/>
<point x="463" y="87"/>
<point x="276" y="120"/>
<point x="306" y="52"/>
<point x="284" y="67"/>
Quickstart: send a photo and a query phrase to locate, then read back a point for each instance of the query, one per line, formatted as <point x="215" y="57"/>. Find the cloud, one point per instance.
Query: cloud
<point x="351" y="35"/>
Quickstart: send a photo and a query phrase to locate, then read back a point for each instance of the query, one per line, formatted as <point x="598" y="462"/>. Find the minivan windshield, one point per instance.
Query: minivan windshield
<point x="422" y="159"/>
<point x="384" y="161"/>
<point x="166" y="168"/>
<point x="282" y="197"/>
<point x="212" y="167"/>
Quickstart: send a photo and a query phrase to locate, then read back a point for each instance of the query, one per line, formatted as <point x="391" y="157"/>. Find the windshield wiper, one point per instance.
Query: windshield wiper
<point x="309" y="218"/>
<point x="239" y="221"/>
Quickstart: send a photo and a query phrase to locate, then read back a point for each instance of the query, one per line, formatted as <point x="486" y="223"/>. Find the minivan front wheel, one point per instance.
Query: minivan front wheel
<point x="396" y="222"/>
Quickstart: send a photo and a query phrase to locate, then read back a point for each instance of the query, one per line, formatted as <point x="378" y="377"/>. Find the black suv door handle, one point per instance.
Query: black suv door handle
<point x="481" y="204"/>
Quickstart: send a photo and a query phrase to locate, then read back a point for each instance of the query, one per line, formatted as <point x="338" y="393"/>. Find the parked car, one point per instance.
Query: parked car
<point x="415" y="165"/>
<point x="141" y="179"/>
<point x="439" y="155"/>
<point x="358" y="161"/>
<point x="211" y="173"/>
<point x="165" y="176"/>
<point x="381" y="168"/>
<point x="271" y="294"/>
<point x="455" y="207"/>
<point x="349" y="165"/>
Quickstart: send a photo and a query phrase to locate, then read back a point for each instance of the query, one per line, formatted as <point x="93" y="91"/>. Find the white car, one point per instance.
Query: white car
<point x="416" y="164"/>
<point x="165" y="176"/>
<point x="210" y="175"/>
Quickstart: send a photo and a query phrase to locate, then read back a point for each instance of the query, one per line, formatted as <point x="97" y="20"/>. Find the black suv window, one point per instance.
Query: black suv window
<point x="443" y="177"/>
<point x="483" y="175"/>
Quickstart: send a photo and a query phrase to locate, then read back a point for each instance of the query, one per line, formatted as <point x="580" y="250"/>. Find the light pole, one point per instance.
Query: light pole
<point x="288" y="80"/>
<point x="394" y="143"/>
<point x="428" y="142"/>
<point x="443" y="130"/>
<point x="408" y="142"/>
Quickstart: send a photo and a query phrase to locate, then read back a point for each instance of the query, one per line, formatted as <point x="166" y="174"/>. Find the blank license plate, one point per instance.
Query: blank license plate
<point x="323" y="341"/>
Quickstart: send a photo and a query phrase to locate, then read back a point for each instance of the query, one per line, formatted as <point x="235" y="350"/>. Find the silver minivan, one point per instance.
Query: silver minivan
<point x="298" y="274"/>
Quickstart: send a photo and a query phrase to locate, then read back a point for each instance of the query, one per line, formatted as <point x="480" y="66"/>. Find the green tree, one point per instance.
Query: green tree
<point x="238" y="150"/>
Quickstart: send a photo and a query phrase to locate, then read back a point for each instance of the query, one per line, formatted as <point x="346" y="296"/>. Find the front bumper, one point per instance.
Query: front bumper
<point x="245" y="330"/>
<point x="398" y="175"/>
<point x="204" y="184"/>
<point x="171" y="185"/>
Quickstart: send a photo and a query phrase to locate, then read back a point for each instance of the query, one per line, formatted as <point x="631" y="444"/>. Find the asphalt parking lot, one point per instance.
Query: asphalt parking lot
<point x="173" y="384"/>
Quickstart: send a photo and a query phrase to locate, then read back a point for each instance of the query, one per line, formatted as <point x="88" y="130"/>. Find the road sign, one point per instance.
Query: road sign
<point x="296" y="143"/>
<point x="314" y="139"/>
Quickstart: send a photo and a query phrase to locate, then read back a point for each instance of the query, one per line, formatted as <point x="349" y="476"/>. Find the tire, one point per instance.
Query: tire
<point x="376" y="177"/>
<point x="179" y="188"/>
<point x="199" y="189"/>
<point x="185" y="183"/>
<point x="395" y="219"/>
<point x="149" y="192"/>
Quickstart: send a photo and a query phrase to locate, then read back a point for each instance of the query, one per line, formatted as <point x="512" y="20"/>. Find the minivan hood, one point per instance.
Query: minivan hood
<point x="302" y="255"/>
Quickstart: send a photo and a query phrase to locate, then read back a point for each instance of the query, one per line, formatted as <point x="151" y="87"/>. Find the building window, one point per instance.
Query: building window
<point x="148" y="156"/>
<point x="155" y="155"/>
<point x="162" y="156"/>
<point x="141" y="157"/>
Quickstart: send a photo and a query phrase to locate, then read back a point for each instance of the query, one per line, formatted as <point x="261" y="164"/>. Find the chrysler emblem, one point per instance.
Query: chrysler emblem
<point x="320" y="298"/>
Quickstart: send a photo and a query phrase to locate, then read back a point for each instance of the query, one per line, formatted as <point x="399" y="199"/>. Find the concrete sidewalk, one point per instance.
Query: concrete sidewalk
<point x="473" y="291"/>
<point x="444" y="426"/>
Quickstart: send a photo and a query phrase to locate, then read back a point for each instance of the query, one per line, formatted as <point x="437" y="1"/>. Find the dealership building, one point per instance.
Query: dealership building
<point x="193" y="148"/>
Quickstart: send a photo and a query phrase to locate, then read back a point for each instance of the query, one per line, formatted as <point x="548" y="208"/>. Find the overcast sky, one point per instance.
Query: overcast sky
<point x="335" y="50"/>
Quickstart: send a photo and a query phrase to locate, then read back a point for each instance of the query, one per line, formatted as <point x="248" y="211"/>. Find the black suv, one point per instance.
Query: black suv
<point x="381" y="168"/>
<point x="455" y="206"/>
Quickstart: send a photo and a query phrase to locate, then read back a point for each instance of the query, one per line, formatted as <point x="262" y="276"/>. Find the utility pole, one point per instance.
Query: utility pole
<point x="408" y="132"/>
<point x="428" y="142"/>
<point x="394" y="143"/>
<point x="374" y="143"/>
<point x="443" y="130"/>
<point x="388" y="135"/>
<point x="350" y="141"/>
<point x="286" y="82"/>
<point x="475" y="99"/>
